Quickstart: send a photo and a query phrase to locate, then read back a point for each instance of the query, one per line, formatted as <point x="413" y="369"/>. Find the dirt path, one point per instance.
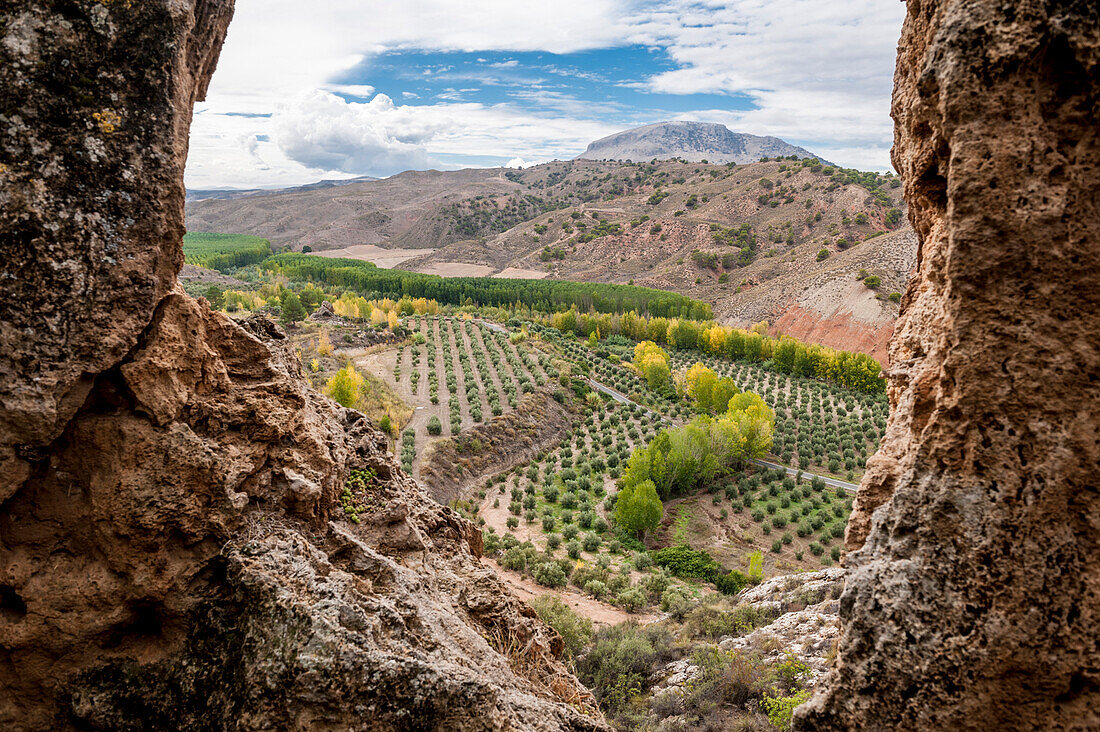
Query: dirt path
<point x="600" y="613"/>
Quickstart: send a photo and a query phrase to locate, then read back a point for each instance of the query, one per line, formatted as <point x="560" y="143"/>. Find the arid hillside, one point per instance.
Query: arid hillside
<point x="748" y="239"/>
<point x="400" y="211"/>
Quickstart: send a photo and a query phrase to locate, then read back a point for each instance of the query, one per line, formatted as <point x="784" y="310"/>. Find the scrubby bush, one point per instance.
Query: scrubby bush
<point x="675" y="602"/>
<point x="732" y="583"/>
<point x="683" y="561"/>
<point x="596" y="588"/>
<point x="620" y="661"/>
<point x="575" y="630"/>
<point x="631" y="599"/>
<point x="549" y="574"/>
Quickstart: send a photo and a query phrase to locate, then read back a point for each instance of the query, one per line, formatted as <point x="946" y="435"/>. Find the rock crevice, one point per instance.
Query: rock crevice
<point x="973" y="595"/>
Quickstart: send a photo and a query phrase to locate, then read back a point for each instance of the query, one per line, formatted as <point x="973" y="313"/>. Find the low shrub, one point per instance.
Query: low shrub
<point x="549" y="574"/>
<point x="619" y="663"/>
<point x="684" y="561"/>
<point x="575" y="630"/>
<point x="632" y="599"/>
<point x="675" y="602"/>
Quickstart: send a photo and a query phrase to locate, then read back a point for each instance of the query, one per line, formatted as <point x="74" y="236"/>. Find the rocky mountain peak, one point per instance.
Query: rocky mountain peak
<point x="691" y="141"/>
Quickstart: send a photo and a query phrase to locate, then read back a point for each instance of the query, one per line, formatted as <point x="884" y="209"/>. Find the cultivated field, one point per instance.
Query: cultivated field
<point x="470" y="384"/>
<point x="455" y="374"/>
<point x="385" y="258"/>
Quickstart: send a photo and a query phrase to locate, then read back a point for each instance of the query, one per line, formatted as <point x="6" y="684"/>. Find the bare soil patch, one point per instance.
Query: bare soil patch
<point x="457" y="269"/>
<point x="519" y="273"/>
<point x="384" y="258"/>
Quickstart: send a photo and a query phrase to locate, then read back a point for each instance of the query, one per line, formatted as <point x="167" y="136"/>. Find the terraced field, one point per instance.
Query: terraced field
<point x="455" y="374"/>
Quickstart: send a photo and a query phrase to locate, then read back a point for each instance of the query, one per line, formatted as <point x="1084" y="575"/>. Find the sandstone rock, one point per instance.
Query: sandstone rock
<point x="973" y="592"/>
<point x="807" y="626"/>
<point x="173" y="548"/>
<point x="323" y="313"/>
<point x="94" y="115"/>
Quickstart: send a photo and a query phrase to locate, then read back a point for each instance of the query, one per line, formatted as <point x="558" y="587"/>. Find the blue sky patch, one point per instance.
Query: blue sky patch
<point x="607" y="83"/>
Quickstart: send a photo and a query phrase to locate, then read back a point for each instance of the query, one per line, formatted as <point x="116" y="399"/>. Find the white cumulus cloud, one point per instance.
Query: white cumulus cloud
<point x="321" y="130"/>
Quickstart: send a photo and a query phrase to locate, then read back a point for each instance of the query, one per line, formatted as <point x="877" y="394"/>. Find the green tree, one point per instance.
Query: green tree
<point x="215" y="297"/>
<point x="292" y="310"/>
<point x="638" y="509"/>
<point x="724" y="390"/>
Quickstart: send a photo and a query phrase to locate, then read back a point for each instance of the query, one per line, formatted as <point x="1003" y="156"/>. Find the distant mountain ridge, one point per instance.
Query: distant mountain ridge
<point x="691" y="141"/>
<point x="225" y="194"/>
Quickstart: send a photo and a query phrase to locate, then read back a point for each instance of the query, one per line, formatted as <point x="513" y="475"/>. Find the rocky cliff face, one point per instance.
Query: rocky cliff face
<point x="973" y="591"/>
<point x="190" y="537"/>
<point x="692" y="141"/>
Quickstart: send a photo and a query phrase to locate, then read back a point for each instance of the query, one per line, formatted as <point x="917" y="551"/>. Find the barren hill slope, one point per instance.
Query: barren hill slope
<point x="744" y="237"/>
<point x="395" y="211"/>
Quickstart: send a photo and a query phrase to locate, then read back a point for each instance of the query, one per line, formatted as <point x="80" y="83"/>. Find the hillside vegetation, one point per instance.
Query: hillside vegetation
<point x="544" y="296"/>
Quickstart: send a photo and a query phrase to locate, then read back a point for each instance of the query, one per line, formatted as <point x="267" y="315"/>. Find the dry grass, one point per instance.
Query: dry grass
<point x="546" y="674"/>
<point x="376" y="399"/>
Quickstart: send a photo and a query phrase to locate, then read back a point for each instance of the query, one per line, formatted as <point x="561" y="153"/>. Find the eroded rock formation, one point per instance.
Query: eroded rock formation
<point x="177" y="549"/>
<point x="973" y="595"/>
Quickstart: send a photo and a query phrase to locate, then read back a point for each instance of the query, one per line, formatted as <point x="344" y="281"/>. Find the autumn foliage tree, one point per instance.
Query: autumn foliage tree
<point x="344" y="386"/>
<point x="710" y="394"/>
<point x="678" y="460"/>
<point x="787" y="355"/>
<point x="653" y="363"/>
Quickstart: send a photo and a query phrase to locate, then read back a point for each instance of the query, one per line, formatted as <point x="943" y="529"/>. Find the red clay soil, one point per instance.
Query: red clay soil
<point x="840" y="331"/>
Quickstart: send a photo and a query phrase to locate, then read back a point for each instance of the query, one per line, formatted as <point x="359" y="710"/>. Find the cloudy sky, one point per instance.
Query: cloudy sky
<point x="338" y="88"/>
